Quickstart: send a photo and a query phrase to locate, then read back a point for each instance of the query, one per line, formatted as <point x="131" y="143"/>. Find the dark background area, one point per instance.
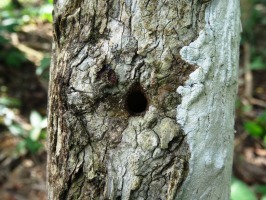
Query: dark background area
<point x="25" y="47"/>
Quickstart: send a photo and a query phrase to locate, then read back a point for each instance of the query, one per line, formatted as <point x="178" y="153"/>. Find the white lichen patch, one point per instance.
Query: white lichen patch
<point x="206" y="112"/>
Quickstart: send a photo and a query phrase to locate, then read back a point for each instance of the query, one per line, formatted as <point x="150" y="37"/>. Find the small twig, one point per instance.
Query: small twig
<point x="32" y="55"/>
<point x="257" y="102"/>
<point x="260" y="152"/>
<point x="248" y="74"/>
<point x="248" y="77"/>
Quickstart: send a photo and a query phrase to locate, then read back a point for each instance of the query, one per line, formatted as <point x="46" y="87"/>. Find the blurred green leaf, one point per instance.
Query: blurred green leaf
<point x="247" y="108"/>
<point x="32" y="146"/>
<point x="21" y="147"/>
<point x="238" y="103"/>
<point x="45" y="12"/>
<point x="262" y="118"/>
<point x="47" y="17"/>
<point x="44" y="123"/>
<point x="35" y="119"/>
<point x="258" y="63"/>
<point x="261" y="189"/>
<point x="16" y="129"/>
<point x="9" y="102"/>
<point x="4" y="3"/>
<point x="253" y="128"/>
<point x="10" y="28"/>
<point x="15" y="58"/>
<point x="240" y="191"/>
<point x="9" y="21"/>
<point x="3" y="40"/>
<point x="45" y="64"/>
<point x="34" y="134"/>
<point x="43" y="135"/>
<point x="263" y="198"/>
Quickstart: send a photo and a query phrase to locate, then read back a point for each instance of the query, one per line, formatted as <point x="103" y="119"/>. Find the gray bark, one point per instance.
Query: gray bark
<point x="141" y="99"/>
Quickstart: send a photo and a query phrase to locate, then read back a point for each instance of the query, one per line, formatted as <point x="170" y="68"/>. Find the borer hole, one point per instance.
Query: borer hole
<point x="136" y="101"/>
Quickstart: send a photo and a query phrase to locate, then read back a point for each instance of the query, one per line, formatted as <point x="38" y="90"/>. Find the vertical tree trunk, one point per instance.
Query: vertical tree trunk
<point x="141" y="101"/>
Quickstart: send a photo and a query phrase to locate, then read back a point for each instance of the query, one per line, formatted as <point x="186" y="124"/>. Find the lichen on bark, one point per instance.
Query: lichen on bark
<point x="106" y="55"/>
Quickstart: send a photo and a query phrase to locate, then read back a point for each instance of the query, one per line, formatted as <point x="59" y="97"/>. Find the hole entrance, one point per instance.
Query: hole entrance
<point x="136" y="101"/>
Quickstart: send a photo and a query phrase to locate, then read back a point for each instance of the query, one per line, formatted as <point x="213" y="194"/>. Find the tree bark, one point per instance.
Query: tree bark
<point x="141" y="99"/>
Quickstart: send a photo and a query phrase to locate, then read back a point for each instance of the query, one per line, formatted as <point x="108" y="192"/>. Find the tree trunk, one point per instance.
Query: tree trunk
<point x="141" y="101"/>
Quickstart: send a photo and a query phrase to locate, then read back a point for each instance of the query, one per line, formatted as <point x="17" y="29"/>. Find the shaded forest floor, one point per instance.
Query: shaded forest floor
<point x="23" y="172"/>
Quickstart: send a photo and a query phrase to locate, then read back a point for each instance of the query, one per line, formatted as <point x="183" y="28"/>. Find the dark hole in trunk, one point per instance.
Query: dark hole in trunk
<point x="136" y="101"/>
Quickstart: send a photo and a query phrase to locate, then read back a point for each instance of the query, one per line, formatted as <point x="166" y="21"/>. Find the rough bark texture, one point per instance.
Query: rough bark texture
<point x="118" y="126"/>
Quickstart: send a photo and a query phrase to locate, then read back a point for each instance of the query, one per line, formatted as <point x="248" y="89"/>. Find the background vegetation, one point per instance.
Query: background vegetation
<point x="25" y="45"/>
